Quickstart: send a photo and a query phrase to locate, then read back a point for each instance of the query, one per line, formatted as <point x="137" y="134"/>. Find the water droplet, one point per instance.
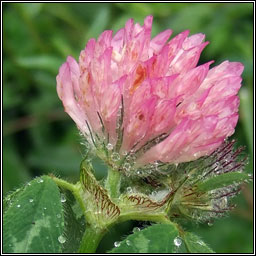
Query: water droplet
<point x="115" y="157"/>
<point x="210" y="224"/>
<point x="63" y="198"/>
<point x="40" y="180"/>
<point x="135" y="229"/>
<point x="127" y="166"/>
<point x="47" y="237"/>
<point x="129" y="189"/>
<point x="196" y="154"/>
<point x="31" y="200"/>
<point x="58" y="216"/>
<point x="117" y="244"/>
<point x="18" y="206"/>
<point x="139" y="172"/>
<point x="154" y="193"/>
<point x="109" y="146"/>
<point x="157" y="140"/>
<point x="200" y="242"/>
<point x="177" y="241"/>
<point x="29" y="184"/>
<point x="62" y="239"/>
<point x="45" y="208"/>
<point x="128" y="242"/>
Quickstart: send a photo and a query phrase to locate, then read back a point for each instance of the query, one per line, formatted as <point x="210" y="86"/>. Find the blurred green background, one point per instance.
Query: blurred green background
<point x="39" y="138"/>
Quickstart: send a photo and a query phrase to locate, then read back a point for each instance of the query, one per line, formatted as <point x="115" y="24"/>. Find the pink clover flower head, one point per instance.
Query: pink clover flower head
<point x="139" y="100"/>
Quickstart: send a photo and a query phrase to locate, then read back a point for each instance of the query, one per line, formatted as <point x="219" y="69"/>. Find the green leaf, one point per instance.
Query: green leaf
<point x="34" y="221"/>
<point x="74" y="224"/>
<point x="196" y="245"/>
<point x="159" y="238"/>
<point x="222" y="180"/>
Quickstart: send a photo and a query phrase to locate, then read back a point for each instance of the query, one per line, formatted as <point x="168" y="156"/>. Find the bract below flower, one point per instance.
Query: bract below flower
<point x="146" y="99"/>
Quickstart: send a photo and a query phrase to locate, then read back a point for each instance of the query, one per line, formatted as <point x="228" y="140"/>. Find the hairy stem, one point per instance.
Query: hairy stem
<point x="113" y="183"/>
<point x="91" y="239"/>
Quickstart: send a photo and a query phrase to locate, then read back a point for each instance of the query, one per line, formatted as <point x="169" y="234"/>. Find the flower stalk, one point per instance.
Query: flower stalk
<point x="91" y="239"/>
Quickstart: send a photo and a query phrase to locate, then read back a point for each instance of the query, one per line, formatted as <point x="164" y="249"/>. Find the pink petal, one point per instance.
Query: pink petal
<point x="118" y="40"/>
<point x="193" y="41"/>
<point x="138" y="124"/>
<point x="162" y="91"/>
<point x="163" y="117"/>
<point x="87" y="54"/>
<point x="176" y="44"/>
<point x="186" y="60"/>
<point x="68" y="90"/>
<point x="158" y="42"/>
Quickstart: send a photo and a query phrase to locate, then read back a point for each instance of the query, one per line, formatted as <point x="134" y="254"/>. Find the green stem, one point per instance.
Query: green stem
<point x="113" y="183"/>
<point x="64" y="184"/>
<point x="91" y="239"/>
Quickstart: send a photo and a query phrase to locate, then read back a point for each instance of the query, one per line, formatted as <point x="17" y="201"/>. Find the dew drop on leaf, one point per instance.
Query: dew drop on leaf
<point x="117" y="244"/>
<point x="200" y="242"/>
<point x="40" y="180"/>
<point x="177" y="241"/>
<point x="58" y="216"/>
<point x="18" y="206"/>
<point x="31" y="200"/>
<point x="135" y="229"/>
<point x="210" y="224"/>
<point x="63" y="198"/>
<point x="61" y="239"/>
<point x="128" y="242"/>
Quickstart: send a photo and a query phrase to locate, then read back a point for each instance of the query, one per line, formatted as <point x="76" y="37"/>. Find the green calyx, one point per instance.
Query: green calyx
<point x="198" y="190"/>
